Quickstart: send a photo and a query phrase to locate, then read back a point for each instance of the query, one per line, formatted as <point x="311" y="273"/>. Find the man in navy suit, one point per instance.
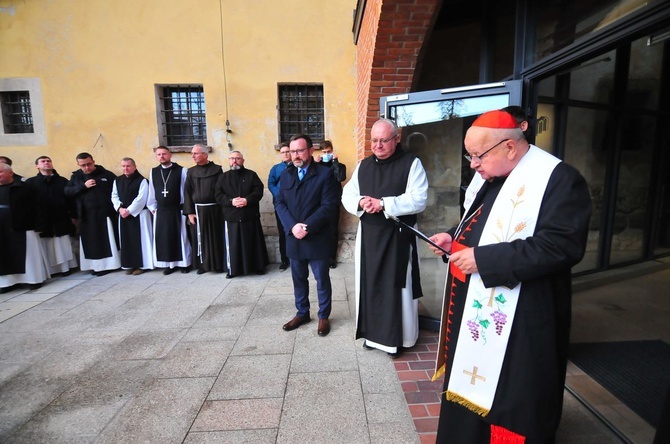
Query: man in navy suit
<point x="307" y="203"/>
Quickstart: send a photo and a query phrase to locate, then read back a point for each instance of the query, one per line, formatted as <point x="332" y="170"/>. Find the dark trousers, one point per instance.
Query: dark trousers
<point x="300" y="274"/>
<point x="282" y="240"/>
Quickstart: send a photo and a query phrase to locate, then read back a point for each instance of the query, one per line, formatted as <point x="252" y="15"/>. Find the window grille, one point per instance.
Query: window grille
<point x="184" y="120"/>
<point x="17" y="116"/>
<point x="301" y="111"/>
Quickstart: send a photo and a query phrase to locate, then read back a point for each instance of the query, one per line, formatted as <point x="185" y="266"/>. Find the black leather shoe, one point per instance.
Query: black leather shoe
<point x="295" y="323"/>
<point x="284" y="265"/>
<point x="168" y="271"/>
<point x="324" y="327"/>
<point x="185" y="270"/>
<point x="229" y="276"/>
<point x="333" y="264"/>
<point x="201" y="271"/>
<point x="396" y="355"/>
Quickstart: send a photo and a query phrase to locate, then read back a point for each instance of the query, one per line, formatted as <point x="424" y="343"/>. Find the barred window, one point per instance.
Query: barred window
<point x="301" y="111"/>
<point x="182" y="115"/>
<point x="17" y="116"/>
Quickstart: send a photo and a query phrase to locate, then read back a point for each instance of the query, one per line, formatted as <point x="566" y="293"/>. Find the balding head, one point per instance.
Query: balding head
<point x="6" y="174"/>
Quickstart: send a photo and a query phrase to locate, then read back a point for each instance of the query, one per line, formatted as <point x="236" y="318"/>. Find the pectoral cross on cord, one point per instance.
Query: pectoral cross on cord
<point x="165" y="181"/>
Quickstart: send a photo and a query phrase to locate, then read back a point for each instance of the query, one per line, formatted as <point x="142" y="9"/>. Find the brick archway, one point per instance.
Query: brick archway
<point x="391" y="36"/>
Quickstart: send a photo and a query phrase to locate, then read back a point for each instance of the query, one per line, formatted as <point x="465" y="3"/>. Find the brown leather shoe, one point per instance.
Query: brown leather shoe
<point x="295" y="323"/>
<point x="324" y="327"/>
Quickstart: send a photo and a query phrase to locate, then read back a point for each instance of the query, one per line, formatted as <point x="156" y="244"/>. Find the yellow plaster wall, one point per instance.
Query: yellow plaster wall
<point x="98" y="61"/>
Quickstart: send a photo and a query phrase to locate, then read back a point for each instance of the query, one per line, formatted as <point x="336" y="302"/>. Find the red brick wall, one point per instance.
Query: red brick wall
<point x="391" y="36"/>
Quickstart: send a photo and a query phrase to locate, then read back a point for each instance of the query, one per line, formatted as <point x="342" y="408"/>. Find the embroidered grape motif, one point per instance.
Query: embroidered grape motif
<point x="474" y="329"/>
<point x="500" y="319"/>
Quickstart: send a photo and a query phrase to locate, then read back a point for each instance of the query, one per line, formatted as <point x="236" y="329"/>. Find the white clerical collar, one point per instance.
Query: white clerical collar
<point x="166" y="167"/>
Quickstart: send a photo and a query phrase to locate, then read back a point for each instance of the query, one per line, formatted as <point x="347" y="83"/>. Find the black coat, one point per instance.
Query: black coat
<point x="53" y="210"/>
<point x="22" y="205"/>
<point x="94" y="207"/>
<point x="239" y="183"/>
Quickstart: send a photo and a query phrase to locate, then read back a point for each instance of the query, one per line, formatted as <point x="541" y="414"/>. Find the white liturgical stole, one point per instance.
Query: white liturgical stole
<point x="489" y="312"/>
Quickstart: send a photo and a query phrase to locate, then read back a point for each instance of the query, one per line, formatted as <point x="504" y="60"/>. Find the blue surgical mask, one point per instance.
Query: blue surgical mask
<point x="327" y="157"/>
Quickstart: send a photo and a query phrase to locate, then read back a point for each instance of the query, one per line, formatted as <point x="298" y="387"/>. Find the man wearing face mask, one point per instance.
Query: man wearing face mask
<point x="329" y="158"/>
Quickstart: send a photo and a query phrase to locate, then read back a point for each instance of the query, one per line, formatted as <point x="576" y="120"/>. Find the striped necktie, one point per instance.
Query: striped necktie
<point x="301" y="173"/>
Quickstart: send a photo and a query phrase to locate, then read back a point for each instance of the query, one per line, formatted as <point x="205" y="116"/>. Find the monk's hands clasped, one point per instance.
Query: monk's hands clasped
<point x="239" y="202"/>
<point x="371" y="204"/>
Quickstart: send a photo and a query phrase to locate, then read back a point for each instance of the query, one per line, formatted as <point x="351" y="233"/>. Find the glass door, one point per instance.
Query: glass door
<point x="433" y="126"/>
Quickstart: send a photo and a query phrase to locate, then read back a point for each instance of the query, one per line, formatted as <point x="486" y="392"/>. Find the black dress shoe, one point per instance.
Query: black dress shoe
<point x="396" y="355"/>
<point x="229" y="276"/>
<point x="324" y="327"/>
<point x="35" y="286"/>
<point x="296" y="322"/>
<point x="201" y="271"/>
<point x="366" y="346"/>
<point x="333" y="264"/>
<point x="185" y="270"/>
<point x="283" y="266"/>
<point x="168" y="271"/>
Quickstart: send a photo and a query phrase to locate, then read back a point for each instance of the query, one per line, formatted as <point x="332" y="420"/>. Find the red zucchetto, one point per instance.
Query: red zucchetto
<point x="496" y="119"/>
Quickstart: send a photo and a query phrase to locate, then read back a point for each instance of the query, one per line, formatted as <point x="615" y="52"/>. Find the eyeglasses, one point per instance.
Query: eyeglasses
<point x="383" y="141"/>
<point x="479" y="157"/>
<point x="234" y="158"/>
<point x="300" y="151"/>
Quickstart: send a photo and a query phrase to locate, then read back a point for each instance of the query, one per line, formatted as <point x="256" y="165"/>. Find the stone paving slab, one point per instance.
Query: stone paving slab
<point x="264" y="340"/>
<point x="32" y="296"/>
<point x="10" y="309"/>
<point x="190" y="359"/>
<point x="261" y="436"/>
<point x="239" y="414"/>
<point x="324" y="407"/>
<point x="333" y="353"/>
<point x="245" y="377"/>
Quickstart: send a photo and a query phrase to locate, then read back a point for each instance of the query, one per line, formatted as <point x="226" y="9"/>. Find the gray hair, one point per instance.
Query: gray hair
<point x="390" y="123"/>
<point x="508" y="133"/>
